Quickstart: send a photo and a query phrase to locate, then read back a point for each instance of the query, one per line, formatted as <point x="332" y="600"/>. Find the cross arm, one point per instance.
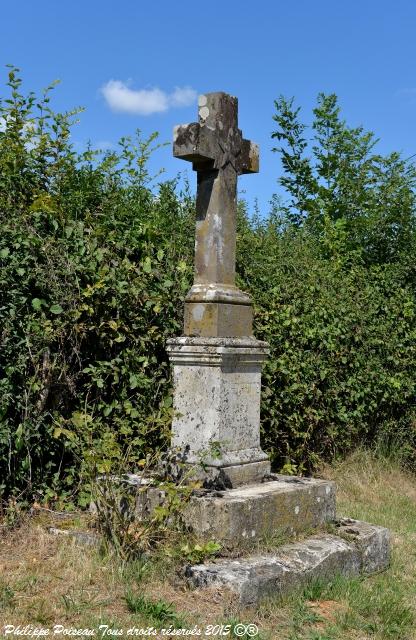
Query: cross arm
<point x="249" y="159"/>
<point x="194" y="143"/>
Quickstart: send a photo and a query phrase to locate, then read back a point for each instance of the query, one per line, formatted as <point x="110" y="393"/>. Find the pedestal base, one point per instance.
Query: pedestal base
<point x="217" y="383"/>
<point x="222" y="477"/>
<point x="282" y="506"/>
<point x="218" y="319"/>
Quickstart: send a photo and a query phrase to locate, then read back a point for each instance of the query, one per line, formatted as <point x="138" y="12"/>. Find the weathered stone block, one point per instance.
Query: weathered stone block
<point x="294" y="565"/>
<point x="247" y="514"/>
<point x="285" y="505"/>
<point x="218" y="319"/>
<point x="218" y="310"/>
<point x="372" y="542"/>
<point x="217" y="402"/>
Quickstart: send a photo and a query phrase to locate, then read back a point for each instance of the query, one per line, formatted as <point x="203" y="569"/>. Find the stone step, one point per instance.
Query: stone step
<point x="358" y="548"/>
<point x="278" y="507"/>
<point x="283" y="505"/>
<point x="85" y="538"/>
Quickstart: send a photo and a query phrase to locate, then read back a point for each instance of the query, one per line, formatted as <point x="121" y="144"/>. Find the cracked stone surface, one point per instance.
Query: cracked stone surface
<point x="217" y="384"/>
<point x="293" y="565"/>
<point x="284" y="504"/>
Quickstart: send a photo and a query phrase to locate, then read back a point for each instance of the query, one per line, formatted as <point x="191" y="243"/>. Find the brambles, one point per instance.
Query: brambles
<point x="94" y="267"/>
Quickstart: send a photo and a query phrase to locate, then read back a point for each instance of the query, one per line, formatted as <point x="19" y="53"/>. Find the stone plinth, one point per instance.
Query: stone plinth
<point x="217" y="311"/>
<point x="285" y="506"/>
<point x="217" y="385"/>
<point x="217" y="319"/>
<point x="249" y="514"/>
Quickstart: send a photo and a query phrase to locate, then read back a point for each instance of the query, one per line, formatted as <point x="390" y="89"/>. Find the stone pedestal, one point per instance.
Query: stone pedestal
<point x="217" y="384"/>
<point x="283" y="505"/>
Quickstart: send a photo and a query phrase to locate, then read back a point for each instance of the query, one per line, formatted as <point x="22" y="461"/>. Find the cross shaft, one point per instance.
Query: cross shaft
<point x="219" y="154"/>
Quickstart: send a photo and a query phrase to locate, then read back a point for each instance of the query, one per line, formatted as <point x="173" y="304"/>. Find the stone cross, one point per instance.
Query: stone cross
<point x="219" y="153"/>
<point x="217" y="362"/>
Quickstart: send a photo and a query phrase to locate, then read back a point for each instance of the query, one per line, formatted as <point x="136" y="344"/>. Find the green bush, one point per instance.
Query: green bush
<point x="342" y="368"/>
<point x="94" y="268"/>
<point x="357" y="203"/>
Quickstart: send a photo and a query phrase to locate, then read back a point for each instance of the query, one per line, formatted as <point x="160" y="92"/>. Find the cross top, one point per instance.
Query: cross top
<point x="216" y="141"/>
<point x="219" y="154"/>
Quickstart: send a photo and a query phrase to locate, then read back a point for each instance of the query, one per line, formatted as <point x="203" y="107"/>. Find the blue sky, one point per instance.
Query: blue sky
<point x="157" y="55"/>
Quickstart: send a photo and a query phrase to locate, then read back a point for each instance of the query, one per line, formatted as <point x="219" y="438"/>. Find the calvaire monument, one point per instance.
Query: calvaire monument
<point x="217" y="362"/>
<point x="217" y="385"/>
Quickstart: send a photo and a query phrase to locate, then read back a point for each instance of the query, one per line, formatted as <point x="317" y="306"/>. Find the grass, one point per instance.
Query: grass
<point x="159" y="612"/>
<point x="46" y="580"/>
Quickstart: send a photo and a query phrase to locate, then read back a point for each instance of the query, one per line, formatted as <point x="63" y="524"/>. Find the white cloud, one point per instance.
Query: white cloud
<point x="144" y="102"/>
<point x="183" y="97"/>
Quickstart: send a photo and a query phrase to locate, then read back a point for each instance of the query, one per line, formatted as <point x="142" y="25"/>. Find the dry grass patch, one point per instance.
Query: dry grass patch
<point x="46" y="580"/>
<point x="373" y="488"/>
<point x="53" y="579"/>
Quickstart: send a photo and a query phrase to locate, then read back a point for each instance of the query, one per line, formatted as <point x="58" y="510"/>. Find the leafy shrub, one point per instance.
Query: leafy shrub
<point x="343" y="356"/>
<point x="94" y="268"/>
<point x="358" y="203"/>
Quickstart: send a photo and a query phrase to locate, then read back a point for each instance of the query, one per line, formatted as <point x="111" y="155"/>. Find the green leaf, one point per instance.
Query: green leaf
<point x="56" y="309"/>
<point x="134" y="381"/>
<point x="167" y="402"/>
<point x="147" y="265"/>
<point x="36" y="304"/>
